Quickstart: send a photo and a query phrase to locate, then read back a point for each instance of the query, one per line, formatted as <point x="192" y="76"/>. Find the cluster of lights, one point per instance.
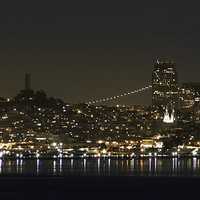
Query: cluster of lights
<point x="119" y="96"/>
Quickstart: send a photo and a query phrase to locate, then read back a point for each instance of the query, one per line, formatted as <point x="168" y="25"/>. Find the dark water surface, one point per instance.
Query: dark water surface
<point x="149" y="178"/>
<point x="102" y="167"/>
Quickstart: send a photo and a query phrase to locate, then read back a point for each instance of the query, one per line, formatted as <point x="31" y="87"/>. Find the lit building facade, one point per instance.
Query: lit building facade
<point x="189" y="99"/>
<point x="195" y="90"/>
<point x="186" y="97"/>
<point x="164" y="85"/>
<point x="169" y="119"/>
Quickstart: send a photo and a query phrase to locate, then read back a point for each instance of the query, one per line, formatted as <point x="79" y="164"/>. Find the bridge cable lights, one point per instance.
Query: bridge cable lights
<point x="119" y="96"/>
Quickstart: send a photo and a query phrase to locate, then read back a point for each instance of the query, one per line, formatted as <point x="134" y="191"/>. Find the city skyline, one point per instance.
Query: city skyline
<point x="28" y="83"/>
<point x="99" y="99"/>
<point x="77" y="53"/>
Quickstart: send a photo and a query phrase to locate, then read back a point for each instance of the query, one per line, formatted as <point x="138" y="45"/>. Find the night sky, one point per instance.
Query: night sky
<point x="82" y="50"/>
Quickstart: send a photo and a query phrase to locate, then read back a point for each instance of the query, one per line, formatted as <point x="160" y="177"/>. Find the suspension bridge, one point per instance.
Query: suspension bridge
<point x="111" y="98"/>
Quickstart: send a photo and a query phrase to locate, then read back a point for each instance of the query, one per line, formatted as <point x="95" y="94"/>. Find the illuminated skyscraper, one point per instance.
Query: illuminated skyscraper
<point x="164" y="85"/>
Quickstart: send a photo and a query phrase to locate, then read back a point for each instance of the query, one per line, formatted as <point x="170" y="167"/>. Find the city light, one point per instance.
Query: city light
<point x="55" y="129"/>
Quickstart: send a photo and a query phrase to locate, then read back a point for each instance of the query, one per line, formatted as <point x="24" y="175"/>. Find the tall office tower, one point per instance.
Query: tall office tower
<point x="164" y="85"/>
<point x="27" y="81"/>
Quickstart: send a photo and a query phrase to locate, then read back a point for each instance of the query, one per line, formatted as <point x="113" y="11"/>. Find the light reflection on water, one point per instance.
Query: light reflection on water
<point x="109" y="165"/>
<point x="54" y="167"/>
<point x="85" y="164"/>
<point x="38" y="166"/>
<point x="150" y="164"/>
<point x="102" y="166"/>
<point x="60" y="165"/>
<point x="98" y="165"/>
<point x="194" y="163"/>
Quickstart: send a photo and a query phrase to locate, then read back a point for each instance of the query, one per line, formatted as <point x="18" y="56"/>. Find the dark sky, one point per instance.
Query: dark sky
<point x="84" y="50"/>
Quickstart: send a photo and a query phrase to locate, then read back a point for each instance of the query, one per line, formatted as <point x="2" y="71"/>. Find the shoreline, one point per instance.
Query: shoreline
<point x="101" y="157"/>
